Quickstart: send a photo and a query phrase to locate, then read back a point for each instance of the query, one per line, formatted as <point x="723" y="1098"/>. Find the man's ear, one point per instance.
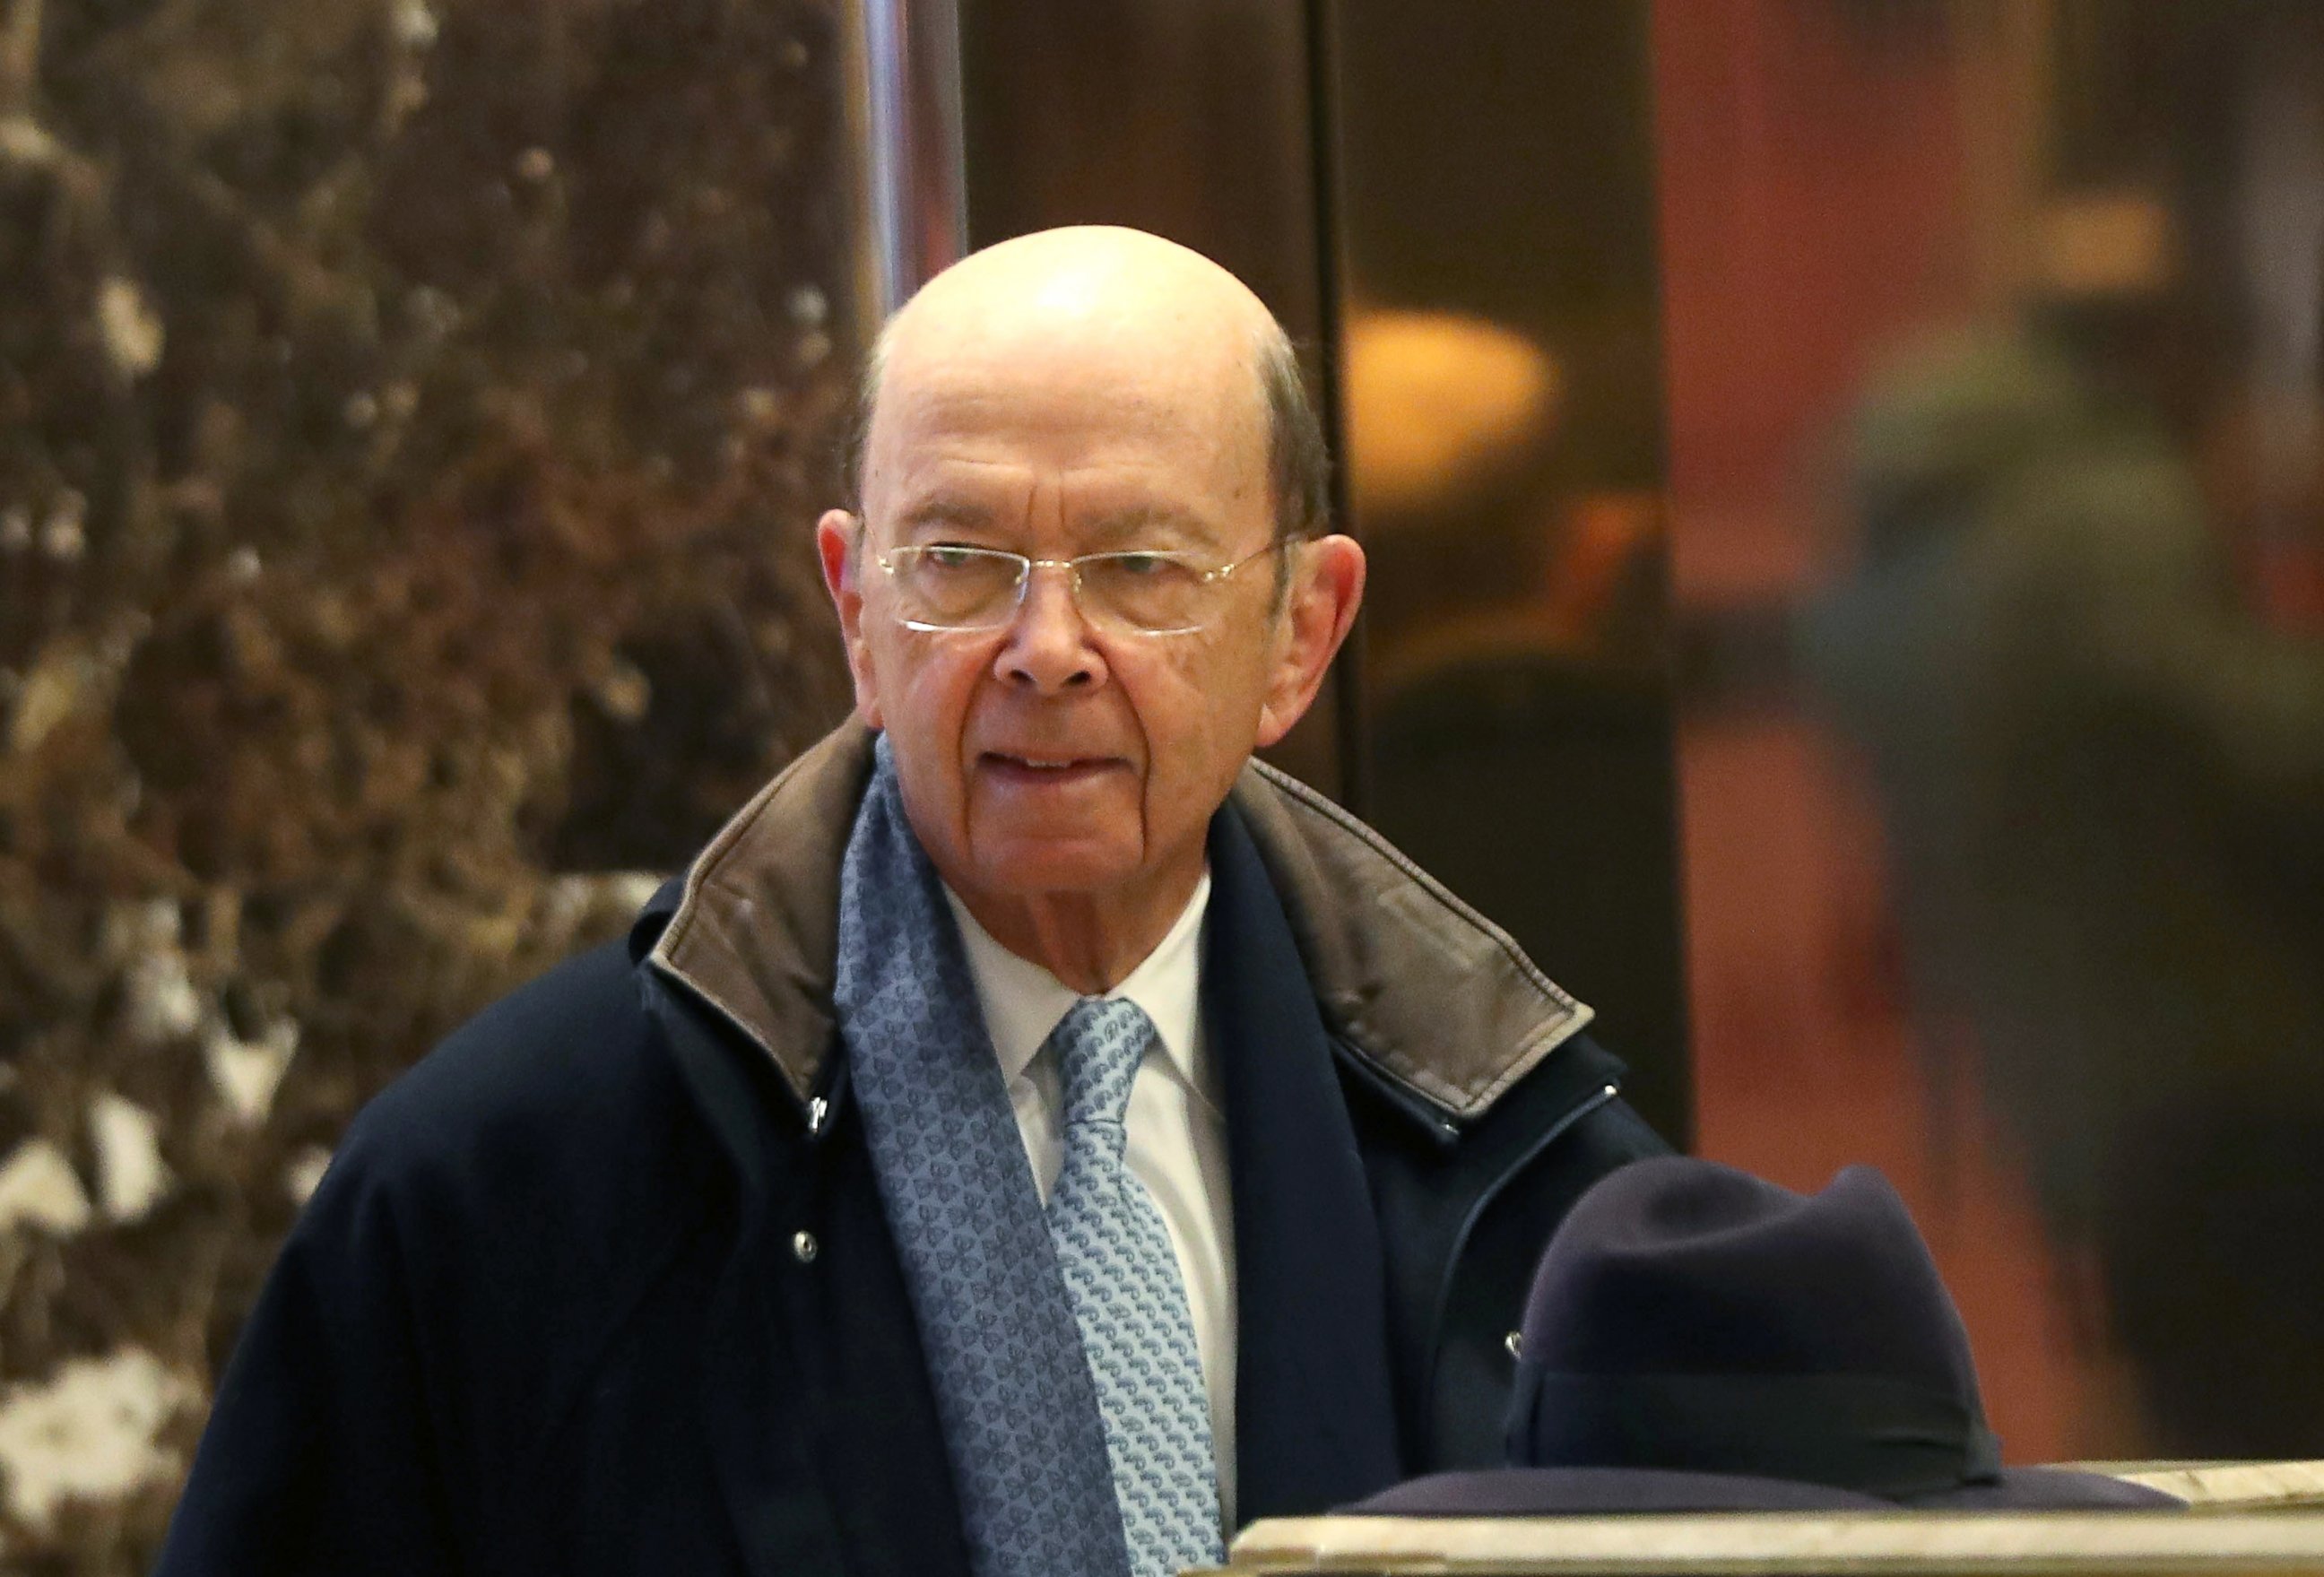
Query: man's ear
<point x="1327" y="586"/>
<point x="838" y="538"/>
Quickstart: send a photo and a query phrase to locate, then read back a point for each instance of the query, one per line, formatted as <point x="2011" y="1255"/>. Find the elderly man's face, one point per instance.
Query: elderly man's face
<point x="1055" y="755"/>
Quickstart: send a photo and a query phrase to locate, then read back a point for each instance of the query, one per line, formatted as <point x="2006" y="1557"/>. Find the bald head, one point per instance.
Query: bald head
<point x="1129" y="310"/>
<point x="1095" y="278"/>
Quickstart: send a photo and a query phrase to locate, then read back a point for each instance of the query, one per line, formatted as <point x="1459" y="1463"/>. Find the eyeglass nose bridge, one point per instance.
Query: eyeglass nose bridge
<point x="1024" y="593"/>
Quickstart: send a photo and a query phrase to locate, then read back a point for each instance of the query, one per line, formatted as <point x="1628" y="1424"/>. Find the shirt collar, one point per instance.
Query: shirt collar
<point x="1023" y="1001"/>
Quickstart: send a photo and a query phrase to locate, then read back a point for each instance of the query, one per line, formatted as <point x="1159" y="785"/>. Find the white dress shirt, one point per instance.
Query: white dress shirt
<point x="1176" y="1128"/>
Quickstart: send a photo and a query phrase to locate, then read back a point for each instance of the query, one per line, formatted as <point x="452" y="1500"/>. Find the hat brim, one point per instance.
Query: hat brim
<point x="1615" y="1491"/>
<point x="2046" y="1490"/>
<point x="1601" y="1491"/>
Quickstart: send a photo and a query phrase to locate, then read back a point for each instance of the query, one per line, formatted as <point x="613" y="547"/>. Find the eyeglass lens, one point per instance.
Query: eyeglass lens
<point x="968" y="589"/>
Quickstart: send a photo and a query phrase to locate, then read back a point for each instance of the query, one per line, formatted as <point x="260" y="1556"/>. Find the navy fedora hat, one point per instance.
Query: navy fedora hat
<point x="1698" y="1339"/>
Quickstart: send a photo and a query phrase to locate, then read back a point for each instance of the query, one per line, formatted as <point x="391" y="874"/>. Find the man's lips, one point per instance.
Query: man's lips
<point x="1032" y="767"/>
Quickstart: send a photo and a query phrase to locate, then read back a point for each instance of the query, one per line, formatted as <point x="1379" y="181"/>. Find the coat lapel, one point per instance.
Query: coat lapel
<point x="1314" y="1416"/>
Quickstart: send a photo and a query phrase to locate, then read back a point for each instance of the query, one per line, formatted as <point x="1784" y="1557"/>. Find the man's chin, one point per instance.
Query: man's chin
<point x="1034" y="868"/>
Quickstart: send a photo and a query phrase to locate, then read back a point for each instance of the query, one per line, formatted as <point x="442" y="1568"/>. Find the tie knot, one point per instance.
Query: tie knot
<point x="1100" y="1043"/>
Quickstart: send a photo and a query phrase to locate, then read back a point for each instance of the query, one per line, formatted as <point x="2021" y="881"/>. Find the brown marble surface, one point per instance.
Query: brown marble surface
<point x="412" y="417"/>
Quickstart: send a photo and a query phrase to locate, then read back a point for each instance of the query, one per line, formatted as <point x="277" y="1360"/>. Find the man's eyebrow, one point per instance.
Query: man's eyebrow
<point x="959" y="514"/>
<point x="1145" y="524"/>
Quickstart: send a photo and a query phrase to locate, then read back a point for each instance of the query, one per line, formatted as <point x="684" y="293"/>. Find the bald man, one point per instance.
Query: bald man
<point x="1033" y="1138"/>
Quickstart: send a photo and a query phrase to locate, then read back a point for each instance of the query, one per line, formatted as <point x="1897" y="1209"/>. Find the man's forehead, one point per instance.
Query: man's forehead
<point x="1058" y="406"/>
<point x="1079" y="390"/>
<point x="1005" y="363"/>
<point x="1102" y="505"/>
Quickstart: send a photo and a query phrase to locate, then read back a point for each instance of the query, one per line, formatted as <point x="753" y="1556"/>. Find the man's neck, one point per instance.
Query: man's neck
<point x="1090" y="942"/>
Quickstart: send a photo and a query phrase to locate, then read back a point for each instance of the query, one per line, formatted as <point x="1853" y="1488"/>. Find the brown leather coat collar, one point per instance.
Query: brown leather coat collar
<point x="1439" y="1000"/>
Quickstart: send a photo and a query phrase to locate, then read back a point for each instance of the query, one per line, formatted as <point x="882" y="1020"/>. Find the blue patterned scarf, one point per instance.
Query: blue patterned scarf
<point x="1012" y="1385"/>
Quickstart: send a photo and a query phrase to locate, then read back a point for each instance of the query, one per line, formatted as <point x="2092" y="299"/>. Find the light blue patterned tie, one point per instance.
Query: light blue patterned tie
<point x="1122" y="1276"/>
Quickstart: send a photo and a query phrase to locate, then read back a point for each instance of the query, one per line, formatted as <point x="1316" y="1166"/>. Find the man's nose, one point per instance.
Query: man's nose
<point x="1048" y="650"/>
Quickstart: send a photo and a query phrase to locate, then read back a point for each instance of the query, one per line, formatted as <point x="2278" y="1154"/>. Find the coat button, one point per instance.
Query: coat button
<point x="1515" y="1342"/>
<point x="804" y="1248"/>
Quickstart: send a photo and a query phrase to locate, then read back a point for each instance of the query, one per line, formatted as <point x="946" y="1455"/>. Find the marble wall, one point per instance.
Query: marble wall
<point x="412" y="417"/>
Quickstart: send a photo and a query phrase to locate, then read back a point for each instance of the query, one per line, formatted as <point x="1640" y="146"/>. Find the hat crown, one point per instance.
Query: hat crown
<point x="1679" y="1266"/>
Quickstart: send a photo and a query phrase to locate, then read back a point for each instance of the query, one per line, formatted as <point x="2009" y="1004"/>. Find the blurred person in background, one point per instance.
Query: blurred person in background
<point x="1033" y="1138"/>
<point x="2099" y="746"/>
